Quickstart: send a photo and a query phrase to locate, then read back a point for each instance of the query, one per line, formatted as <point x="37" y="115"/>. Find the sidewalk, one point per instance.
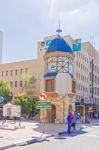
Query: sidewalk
<point x="32" y="132"/>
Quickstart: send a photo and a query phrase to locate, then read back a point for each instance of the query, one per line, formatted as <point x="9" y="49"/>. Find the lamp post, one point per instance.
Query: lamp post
<point x="92" y="88"/>
<point x="83" y="103"/>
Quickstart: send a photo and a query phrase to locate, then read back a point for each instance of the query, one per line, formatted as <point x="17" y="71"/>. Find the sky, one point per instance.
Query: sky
<point x="25" y="22"/>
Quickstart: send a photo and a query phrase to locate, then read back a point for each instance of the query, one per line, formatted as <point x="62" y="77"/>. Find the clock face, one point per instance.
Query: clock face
<point x="52" y="66"/>
<point x="60" y="64"/>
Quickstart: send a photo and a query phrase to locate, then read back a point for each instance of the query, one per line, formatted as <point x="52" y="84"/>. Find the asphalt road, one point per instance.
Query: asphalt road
<point x="88" y="140"/>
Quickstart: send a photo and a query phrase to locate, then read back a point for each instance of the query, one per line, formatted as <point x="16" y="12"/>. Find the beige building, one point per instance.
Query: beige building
<point x="57" y="70"/>
<point x="13" y="72"/>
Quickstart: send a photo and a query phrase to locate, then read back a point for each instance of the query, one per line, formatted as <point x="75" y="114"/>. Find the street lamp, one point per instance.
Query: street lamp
<point x="83" y="103"/>
<point x="92" y="99"/>
<point x="92" y="88"/>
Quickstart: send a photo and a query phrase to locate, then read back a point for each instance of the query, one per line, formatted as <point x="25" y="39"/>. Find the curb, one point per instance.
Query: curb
<point x="31" y="140"/>
<point x="8" y="146"/>
<point x="22" y="143"/>
<point x="27" y="142"/>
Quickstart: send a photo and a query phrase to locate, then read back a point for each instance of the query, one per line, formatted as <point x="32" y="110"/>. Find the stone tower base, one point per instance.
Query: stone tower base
<point x="61" y="105"/>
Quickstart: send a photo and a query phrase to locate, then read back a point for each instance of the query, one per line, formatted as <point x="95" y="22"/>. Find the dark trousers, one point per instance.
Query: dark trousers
<point x="69" y="128"/>
<point x="73" y="125"/>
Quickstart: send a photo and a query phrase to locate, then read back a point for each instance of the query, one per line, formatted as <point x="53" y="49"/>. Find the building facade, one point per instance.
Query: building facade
<point x="70" y="79"/>
<point x="1" y="44"/>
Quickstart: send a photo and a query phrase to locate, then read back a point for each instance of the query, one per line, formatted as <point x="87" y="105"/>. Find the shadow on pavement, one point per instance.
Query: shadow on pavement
<point x="58" y="131"/>
<point x="49" y="128"/>
<point x="64" y="135"/>
<point x="97" y="124"/>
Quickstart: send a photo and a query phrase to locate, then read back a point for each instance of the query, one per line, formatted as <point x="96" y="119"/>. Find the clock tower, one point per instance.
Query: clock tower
<point x="59" y="82"/>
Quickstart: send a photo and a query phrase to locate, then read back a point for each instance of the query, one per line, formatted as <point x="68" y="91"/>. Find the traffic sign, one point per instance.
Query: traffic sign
<point x="43" y="105"/>
<point x="43" y="96"/>
<point x="1" y="99"/>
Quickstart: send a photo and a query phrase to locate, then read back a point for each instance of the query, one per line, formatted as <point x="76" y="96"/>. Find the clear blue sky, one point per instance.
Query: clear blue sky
<point x="25" y="22"/>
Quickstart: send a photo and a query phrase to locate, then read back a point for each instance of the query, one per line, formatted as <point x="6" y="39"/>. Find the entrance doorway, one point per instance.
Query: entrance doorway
<point x="51" y="114"/>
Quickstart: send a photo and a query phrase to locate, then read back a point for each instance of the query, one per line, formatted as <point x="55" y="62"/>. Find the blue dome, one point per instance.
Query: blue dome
<point x="59" y="44"/>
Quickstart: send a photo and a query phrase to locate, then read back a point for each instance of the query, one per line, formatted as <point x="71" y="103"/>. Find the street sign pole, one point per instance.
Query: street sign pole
<point x="43" y="97"/>
<point x="43" y="122"/>
<point x="43" y="105"/>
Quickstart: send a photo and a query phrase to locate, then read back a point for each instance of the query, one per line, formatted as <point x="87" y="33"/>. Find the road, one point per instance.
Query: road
<point x="88" y="140"/>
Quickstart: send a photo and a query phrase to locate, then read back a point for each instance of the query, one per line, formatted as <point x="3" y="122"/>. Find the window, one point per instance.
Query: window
<point x="21" y="83"/>
<point x="95" y="90"/>
<point x="81" y="66"/>
<point x="90" y="90"/>
<point x="90" y="64"/>
<point x="11" y="72"/>
<point x="11" y="84"/>
<point x="81" y="77"/>
<point x="81" y="56"/>
<point x="6" y="73"/>
<point x="16" y="72"/>
<point x="16" y="83"/>
<point x="2" y="73"/>
<point x="90" y="76"/>
<point x="95" y="79"/>
<point x="73" y="86"/>
<point x="93" y="76"/>
<point x="76" y="74"/>
<point x="21" y="71"/>
<point x="83" y="89"/>
<point x="49" y="85"/>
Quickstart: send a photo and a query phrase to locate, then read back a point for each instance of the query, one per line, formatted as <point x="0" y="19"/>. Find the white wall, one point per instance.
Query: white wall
<point x="63" y="83"/>
<point x="80" y="58"/>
